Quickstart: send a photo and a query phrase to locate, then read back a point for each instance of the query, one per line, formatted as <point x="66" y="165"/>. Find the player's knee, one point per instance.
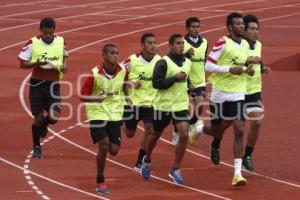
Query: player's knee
<point x="239" y="131"/>
<point x="256" y="123"/>
<point x="52" y="121"/>
<point x="113" y="150"/>
<point x="38" y="120"/>
<point x="148" y="129"/>
<point x="183" y="138"/>
<point x="129" y="133"/>
<point x="103" y="145"/>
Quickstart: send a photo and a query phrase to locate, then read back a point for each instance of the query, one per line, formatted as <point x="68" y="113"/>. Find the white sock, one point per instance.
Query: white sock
<point x="237" y="167"/>
<point x="199" y="128"/>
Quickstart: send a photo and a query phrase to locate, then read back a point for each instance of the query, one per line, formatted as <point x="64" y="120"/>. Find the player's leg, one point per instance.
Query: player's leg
<point x="181" y="120"/>
<point x="98" y="131"/>
<point x="238" y="130"/>
<point x="160" y="122"/>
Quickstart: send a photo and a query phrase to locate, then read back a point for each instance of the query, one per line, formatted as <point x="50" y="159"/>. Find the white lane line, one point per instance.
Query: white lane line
<point x="60" y="8"/>
<point x="51" y="180"/>
<point x="132" y="8"/>
<point x="117" y="15"/>
<point x="93" y="13"/>
<point x="19" y="4"/>
<point x="153" y="27"/>
<point x="280" y="26"/>
<point x="30" y="182"/>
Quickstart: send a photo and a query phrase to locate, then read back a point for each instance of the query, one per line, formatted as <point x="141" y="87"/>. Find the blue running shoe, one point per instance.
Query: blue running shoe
<point x="175" y="175"/>
<point x="146" y="169"/>
<point x="37" y="152"/>
<point x="102" y="188"/>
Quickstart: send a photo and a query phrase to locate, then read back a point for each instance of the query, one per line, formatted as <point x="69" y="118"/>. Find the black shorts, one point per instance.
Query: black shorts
<point x="229" y="110"/>
<point x="162" y="118"/>
<point x="100" y="129"/>
<point x="197" y="92"/>
<point x="133" y="114"/>
<point x="253" y="100"/>
<point x="42" y="96"/>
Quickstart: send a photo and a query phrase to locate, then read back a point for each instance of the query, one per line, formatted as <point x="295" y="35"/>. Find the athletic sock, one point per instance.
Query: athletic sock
<point x="175" y="129"/>
<point x="100" y="179"/>
<point x="237" y="167"/>
<point x="36" y="134"/>
<point x="248" y="151"/>
<point x="147" y="161"/>
<point x="216" y="143"/>
<point x="174" y="168"/>
<point x="199" y="129"/>
<point x="142" y="153"/>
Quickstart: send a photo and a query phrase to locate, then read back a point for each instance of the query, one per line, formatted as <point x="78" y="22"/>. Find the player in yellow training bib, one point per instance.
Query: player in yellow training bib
<point x="104" y="97"/>
<point x="253" y="102"/>
<point x="140" y="67"/>
<point x="227" y="62"/>
<point x="171" y="102"/>
<point x="195" y="48"/>
<point x="46" y="55"/>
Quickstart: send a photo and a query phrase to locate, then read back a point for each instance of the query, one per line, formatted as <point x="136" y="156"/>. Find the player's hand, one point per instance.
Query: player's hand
<point x="64" y="68"/>
<point x="137" y="84"/>
<point x="128" y="100"/>
<point x="266" y="70"/>
<point x="253" y="60"/>
<point x="191" y="52"/>
<point x="180" y="76"/>
<point x="236" y="70"/>
<point x="250" y="71"/>
<point x="40" y="63"/>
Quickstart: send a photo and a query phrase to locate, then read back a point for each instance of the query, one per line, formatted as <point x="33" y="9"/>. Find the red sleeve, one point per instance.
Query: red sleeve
<point x="29" y="42"/>
<point x="87" y="87"/>
<point x="219" y="43"/>
<point x="211" y="60"/>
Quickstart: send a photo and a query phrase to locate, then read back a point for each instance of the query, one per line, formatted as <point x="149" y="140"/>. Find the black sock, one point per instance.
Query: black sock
<point x="248" y="151"/>
<point x="147" y="161"/>
<point x="194" y="119"/>
<point x="36" y="134"/>
<point x="174" y="168"/>
<point x="100" y="179"/>
<point x="216" y="143"/>
<point x="141" y="155"/>
<point x="45" y="122"/>
<point x="175" y="129"/>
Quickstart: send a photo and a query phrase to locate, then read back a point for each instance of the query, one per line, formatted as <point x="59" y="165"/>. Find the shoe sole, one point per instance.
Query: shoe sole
<point x="145" y="177"/>
<point x="250" y="170"/>
<point x="101" y="192"/>
<point x="38" y="157"/>
<point x="175" y="180"/>
<point x="240" y="183"/>
<point x="137" y="169"/>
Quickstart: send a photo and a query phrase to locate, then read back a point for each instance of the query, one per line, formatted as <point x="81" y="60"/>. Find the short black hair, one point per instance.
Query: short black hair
<point x="231" y="16"/>
<point x="107" y="46"/>
<point x="173" y="37"/>
<point x="47" y="22"/>
<point x="145" y="36"/>
<point x="190" y="20"/>
<point x="250" y="18"/>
